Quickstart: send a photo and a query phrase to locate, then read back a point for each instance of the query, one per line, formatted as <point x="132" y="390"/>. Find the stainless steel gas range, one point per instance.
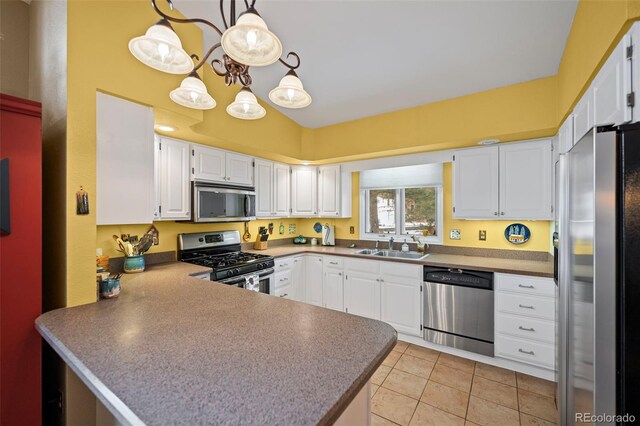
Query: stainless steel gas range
<point x="222" y="252"/>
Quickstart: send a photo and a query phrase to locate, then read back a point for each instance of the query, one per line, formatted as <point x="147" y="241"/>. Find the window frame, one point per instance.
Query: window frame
<point x="400" y="206"/>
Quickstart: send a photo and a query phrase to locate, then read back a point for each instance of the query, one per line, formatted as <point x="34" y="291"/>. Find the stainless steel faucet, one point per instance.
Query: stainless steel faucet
<point x="390" y="243"/>
<point x="377" y="244"/>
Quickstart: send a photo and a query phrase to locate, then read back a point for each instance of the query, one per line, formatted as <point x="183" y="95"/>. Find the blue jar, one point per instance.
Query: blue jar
<point x="134" y="264"/>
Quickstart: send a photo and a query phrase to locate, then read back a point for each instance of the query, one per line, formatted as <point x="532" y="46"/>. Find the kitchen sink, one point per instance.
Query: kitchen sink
<point x="414" y="255"/>
<point x="367" y="251"/>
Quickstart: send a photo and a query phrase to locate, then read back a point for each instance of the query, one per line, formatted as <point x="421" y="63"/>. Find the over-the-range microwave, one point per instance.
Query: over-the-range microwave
<point x="222" y="203"/>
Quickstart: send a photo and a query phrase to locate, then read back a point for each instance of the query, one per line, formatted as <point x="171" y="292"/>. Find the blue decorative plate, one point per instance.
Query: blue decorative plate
<point x="517" y="233"/>
<point x="317" y="227"/>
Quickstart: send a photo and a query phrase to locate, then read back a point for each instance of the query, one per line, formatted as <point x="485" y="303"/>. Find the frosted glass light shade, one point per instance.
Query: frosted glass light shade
<point x="246" y="106"/>
<point x="161" y="49"/>
<point x="250" y="42"/>
<point x="192" y="93"/>
<point x="290" y="93"/>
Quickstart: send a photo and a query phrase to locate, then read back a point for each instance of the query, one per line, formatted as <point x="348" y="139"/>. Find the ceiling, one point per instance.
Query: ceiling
<point x="362" y="58"/>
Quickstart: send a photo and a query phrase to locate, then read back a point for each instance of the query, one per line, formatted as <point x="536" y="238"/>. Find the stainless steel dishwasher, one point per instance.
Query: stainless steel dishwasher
<point x="458" y="309"/>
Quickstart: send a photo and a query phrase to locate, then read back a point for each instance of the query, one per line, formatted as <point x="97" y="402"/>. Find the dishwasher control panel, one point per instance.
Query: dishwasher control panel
<point x="459" y="277"/>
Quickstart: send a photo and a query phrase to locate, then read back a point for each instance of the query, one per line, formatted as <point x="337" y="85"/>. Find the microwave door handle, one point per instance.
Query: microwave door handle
<point x="247" y="205"/>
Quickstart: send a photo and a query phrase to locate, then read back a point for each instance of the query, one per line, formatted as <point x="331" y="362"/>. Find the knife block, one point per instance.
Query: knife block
<point x="260" y="245"/>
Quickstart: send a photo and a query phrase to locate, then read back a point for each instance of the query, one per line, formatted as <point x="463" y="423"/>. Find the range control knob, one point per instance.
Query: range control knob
<point x="236" y="271"/>
<point x="261" y="265"/>
<point x="229" y="273"/>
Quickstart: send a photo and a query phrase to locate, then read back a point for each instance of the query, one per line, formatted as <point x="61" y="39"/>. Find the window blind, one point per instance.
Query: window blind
<point x="402" y="177"/>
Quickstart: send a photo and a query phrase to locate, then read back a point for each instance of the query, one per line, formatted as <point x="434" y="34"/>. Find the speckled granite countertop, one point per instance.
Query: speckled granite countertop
<point x="173" y="349"/>
<point x="492" y="264"/>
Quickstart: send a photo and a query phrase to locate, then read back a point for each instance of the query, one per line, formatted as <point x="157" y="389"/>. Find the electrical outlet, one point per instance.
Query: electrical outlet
<point x="482" y="235"/>
<point x="352" y="230"/>
<point x="455" y="234"/>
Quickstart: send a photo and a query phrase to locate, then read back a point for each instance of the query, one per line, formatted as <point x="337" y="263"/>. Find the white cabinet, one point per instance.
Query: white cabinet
<point x="510" y="181"/>
<point x="611" y="87"/>
<point x="289" y="277"/>
<point x="272" y="188"/>
<point x="124" y="162"/>
<point x="304" y="191"/>
<point x="583" y="116"/>
<point x="329" y="190"/>
<point x="215" y="165"/>
<point x="298" y="278"/>
<point x="400" y="294"/>
<point x="333" y="284"/>
<point x="174" y="192"/>
<point x="313" y="281"/>
<point x="526" y="180"/>
<point x="362" y="287"/>
<point x="565" y="135"/>
<point x="281" y="190"/>
<point x="475" y="183"/>
<point x="208" y="164"/>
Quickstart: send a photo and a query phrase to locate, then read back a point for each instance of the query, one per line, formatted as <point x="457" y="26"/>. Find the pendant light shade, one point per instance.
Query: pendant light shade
<point x="290" y="93"/>
<point x="161" y="49"/>
<point x="246" y="106"/>
<point x="250" y="42"/>
<point x="192" y="93"/>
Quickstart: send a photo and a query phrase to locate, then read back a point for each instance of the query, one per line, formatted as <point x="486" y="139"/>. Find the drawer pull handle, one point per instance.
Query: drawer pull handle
<point x="333" y="263"/>
<point x="526" y="306"/>
<point x="284" y="279"/>
<point x="284" y="295"/>
<point x="526" y="329"/>
<point x="526" y="352"/>
<point x="525" y="286"/>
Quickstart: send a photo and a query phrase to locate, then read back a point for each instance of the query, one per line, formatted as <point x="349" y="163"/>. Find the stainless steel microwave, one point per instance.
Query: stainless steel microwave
<point x="222" y="203"/>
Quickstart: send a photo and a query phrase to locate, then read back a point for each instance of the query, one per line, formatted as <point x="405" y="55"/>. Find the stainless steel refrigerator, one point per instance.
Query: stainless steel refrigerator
<point x="598" y="277"/>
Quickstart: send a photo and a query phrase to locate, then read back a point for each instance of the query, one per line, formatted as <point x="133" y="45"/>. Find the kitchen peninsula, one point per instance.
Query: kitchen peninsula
<point x="175" y="349"/>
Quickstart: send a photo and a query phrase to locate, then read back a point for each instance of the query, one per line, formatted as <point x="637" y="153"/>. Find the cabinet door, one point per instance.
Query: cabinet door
<point x="298" y="279"/>
<point x="208" y="164"/>
<point x="329" y="191"/>
<point x="400" y="304"/>
<point x="583" y="116"/>
<point x="175" y="194"/>
<point x="362" y="294"/>
<point x="526" y="186"/>
<point x="313" y="273"/>
<point x="611" y="86"/>
<point x="475" y="183"/>
<point x="281" y="189"/>
<point x="239" y="169"/>
<point x="124" y="162"/>
<point x="264" y="188"/>
<point x="156" y="177"/>
<point x="333" y="289"/>
<point x="304" y="191"/>
<point x="565" y="135"/>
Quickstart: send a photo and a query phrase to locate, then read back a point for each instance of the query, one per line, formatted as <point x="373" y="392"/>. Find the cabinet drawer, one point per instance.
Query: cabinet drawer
<point x="362" y="265"/>
<point x="333" y="262"/>
<point x="284" y="291"/>
<point x="401" y="270"/>
<point x="283" y="263"/>
<point x="527" y="328"/>
<point x="525" y="284"/>
<point x="282" y="279"/>
<point x="537" y="353"/>
<point x="530" y="306"/>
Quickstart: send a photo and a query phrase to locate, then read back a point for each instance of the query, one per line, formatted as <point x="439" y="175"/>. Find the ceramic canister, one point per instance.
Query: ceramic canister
<point x="133" y="264"/>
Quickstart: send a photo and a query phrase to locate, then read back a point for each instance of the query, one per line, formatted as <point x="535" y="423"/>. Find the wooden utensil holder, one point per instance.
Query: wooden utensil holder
<point x="260" y="245"/>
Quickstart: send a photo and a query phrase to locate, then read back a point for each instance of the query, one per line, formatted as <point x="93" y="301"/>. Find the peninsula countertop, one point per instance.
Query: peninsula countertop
<point x="173" y="349"/>
<point x="481" y="263"/>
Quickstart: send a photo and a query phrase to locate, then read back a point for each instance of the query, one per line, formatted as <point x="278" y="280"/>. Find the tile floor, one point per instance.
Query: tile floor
<point x="420" y="386"/>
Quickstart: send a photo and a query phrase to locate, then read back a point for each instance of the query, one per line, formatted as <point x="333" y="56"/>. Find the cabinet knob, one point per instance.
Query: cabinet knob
<point x="502" y="213"/>
<point x="337" y="213"/>
<point x="495" y="213"/>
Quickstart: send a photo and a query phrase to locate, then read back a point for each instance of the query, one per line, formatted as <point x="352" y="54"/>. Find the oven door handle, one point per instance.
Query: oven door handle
<point x="240" y="279"/>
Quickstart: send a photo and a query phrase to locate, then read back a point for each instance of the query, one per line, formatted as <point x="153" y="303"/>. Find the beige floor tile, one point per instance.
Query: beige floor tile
<point x="426" y="415"/>
<point x="400" y="346"/>
<point x="380" y="374"/>
<point x="446" y="398"/>
<point x="418" y="366"/>
<point x="393" y="406"/>
<point x="528" y="420"/>
<point x="496" y="374"/>
<point x="374" y="388"/>
<point x="468" y="423"/>
<point x="495" y="392"/>
<point x="392" y="358"/>
<point x="380" y="421"/>
<point x="451" y="377"/>
<point x="487" y="413"/>
<point x="424" y="353"/>
<point x="405" y="383"/>
<point x="456" y="362"/>
<point x="537" y="405"/>
<point x="534" y="384"/>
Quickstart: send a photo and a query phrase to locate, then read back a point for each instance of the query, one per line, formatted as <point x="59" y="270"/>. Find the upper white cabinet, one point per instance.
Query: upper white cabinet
<point x="583" y="116"/>
<point x="526" y="185"/>
<point x="281" y="189"/>
<point x="510" y="181"/>
<point x="329" y="190"/>
<point x="304" y="191"/>
<point x="124" y="162"/>
<point x="475" y="183"/>
<point x="272" y="188"/>
<point x="216" y="165"/>
<point x="173" y="185"/>
<point x="565" y="135"/>
<point x="611" y="87"/>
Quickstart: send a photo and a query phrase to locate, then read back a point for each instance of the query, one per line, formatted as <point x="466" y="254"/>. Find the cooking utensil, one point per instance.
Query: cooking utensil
<point x="270" y="228"/>
<point x="120" y="244"/>
<point x="145" y="244"/>
<point x="247" y="235"/>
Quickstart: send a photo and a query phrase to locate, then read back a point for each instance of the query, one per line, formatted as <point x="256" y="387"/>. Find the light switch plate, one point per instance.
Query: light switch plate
<point x="454" y="234"/>
<point x="352" y="230"/>
<point x="482" y="235"/>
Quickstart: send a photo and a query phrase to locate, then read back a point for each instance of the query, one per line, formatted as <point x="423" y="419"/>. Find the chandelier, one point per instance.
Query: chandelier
<point x="245" y="42"/>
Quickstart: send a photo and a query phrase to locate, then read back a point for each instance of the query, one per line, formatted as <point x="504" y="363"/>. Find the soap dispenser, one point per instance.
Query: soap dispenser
<point x="405" y="246"/>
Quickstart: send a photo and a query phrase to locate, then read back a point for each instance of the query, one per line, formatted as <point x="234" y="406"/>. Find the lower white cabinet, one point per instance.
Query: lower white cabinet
<point x="313" y="280"/>
<point x="289" y="280"/>
<point x="333" y="284"/>
<point x="298" y="278"/>
<point x="362" y="294"/>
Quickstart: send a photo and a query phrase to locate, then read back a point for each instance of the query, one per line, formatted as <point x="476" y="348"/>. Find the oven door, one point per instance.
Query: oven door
<point x="213" y="203"/>
<point x="264" y="283"/>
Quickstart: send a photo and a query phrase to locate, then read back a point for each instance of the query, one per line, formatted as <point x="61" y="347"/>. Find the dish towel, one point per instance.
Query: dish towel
<point x="252" y="282"/>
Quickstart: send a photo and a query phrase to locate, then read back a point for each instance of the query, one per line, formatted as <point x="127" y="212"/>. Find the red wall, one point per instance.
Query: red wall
<point x="21" y="265"/>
